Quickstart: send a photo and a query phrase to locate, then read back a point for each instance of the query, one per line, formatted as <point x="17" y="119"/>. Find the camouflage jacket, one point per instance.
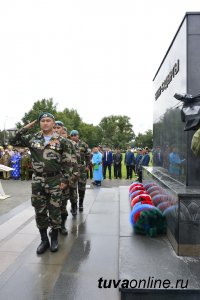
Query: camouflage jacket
<point x="84" y="153"/>
<point x="25" y="160"/>
<point x="58" y="155"/>
<point x="78" y="154"/>
<point x="75" y="163"/>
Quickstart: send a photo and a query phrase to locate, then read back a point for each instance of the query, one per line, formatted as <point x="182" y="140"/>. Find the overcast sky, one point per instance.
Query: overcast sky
<point x="98" y="57"/>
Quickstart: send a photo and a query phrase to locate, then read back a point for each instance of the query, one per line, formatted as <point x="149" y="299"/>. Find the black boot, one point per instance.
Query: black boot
<point x="74" y="209"/>
<point x="54" y="240"/>
<point x="81" y="199"/>
<point x="63" y="229"/>
<point x="80" y="206"/>
<point x="44" y="245"/>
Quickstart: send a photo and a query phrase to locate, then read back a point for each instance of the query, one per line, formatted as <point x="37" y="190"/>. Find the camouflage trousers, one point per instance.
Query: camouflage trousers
<point x="24" y="172"/>
<point x="82" y="186"/>
<point x="69" y="194"/>
<point x="46" y="199"/>
<point x="82" y="181"/>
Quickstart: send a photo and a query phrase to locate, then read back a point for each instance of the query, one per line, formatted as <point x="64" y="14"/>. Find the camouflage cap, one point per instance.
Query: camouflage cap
<point x="59" y="123"/>
<point x="74" y="132"/>
<point x="45" y="115"/>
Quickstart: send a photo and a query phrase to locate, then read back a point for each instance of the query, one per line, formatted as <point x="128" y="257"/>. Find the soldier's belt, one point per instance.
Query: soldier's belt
<point x="46" y="175"/>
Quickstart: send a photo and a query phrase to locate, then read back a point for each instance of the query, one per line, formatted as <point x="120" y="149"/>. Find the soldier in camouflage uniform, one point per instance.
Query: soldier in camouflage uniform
<point x="69" y="192"/>
<point x="73" y="196"/>
<point x="53" y="171"/>
<point x="84" y="166"/>
<point x="25" y="165"/>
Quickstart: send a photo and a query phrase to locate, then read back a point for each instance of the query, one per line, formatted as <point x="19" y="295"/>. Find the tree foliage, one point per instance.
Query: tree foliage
<point x="44" y="105"/>
<point x="114" y="130"/>
<point x="144" y="139"/>
<point x="1" y="137"/>
<point x="117" y="131"/>
<point x="70" y="118"/>
<point x="91" y="134"/>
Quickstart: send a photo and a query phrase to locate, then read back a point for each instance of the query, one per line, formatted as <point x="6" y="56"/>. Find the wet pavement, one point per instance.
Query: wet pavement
<point x="94" y="253"/>
<point x="89" y="252"/>
<point x="19" y="191"/>
<point x="101" y="243"/>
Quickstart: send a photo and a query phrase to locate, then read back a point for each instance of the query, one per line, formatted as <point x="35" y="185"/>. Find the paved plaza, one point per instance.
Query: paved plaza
<point x="101" y="243"/>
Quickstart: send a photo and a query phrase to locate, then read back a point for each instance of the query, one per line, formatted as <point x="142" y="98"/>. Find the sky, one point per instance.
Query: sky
<point x="98" y="57"/>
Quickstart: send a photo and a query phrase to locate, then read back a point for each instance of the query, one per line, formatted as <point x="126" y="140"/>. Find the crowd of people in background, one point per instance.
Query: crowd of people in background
<point x="19" y="160"/>
<point x="133" y="160"/>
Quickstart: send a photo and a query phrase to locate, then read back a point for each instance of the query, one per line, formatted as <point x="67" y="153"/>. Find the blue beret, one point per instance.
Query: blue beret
<point x="59" y="123"/>
<point x="45" y="115"/>
<point x="74" y="132"/>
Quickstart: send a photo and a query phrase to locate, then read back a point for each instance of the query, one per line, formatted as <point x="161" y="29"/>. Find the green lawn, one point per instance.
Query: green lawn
<point x="124" y="168"/>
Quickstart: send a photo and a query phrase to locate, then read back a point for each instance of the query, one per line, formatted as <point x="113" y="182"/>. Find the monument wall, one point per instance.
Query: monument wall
<point x="179" y="72"/>
<point x="178" y="175"/>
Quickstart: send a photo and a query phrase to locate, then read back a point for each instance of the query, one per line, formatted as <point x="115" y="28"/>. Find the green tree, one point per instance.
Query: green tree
<point x="1" y="137"/>
<point x="91" y="134"/>
<point x="117" y="131"/>
<point x="44" y="105"/>
<point x="112" y="130"/>
<point x="144" y="139"/>
<point x="70" y="118"/>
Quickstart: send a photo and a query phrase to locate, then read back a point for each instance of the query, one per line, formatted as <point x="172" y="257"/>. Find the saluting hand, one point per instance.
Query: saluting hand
<point x="30" y="125"/>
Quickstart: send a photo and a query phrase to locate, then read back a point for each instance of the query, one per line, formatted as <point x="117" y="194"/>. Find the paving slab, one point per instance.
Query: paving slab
<point x="19" y="191"/>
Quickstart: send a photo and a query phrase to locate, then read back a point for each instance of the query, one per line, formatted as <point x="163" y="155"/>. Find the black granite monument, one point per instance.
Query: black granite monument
<point x="179" y="173"/>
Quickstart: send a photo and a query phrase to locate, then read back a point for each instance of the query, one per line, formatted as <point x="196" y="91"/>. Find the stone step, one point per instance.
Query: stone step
<point x="11" y="225"/>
